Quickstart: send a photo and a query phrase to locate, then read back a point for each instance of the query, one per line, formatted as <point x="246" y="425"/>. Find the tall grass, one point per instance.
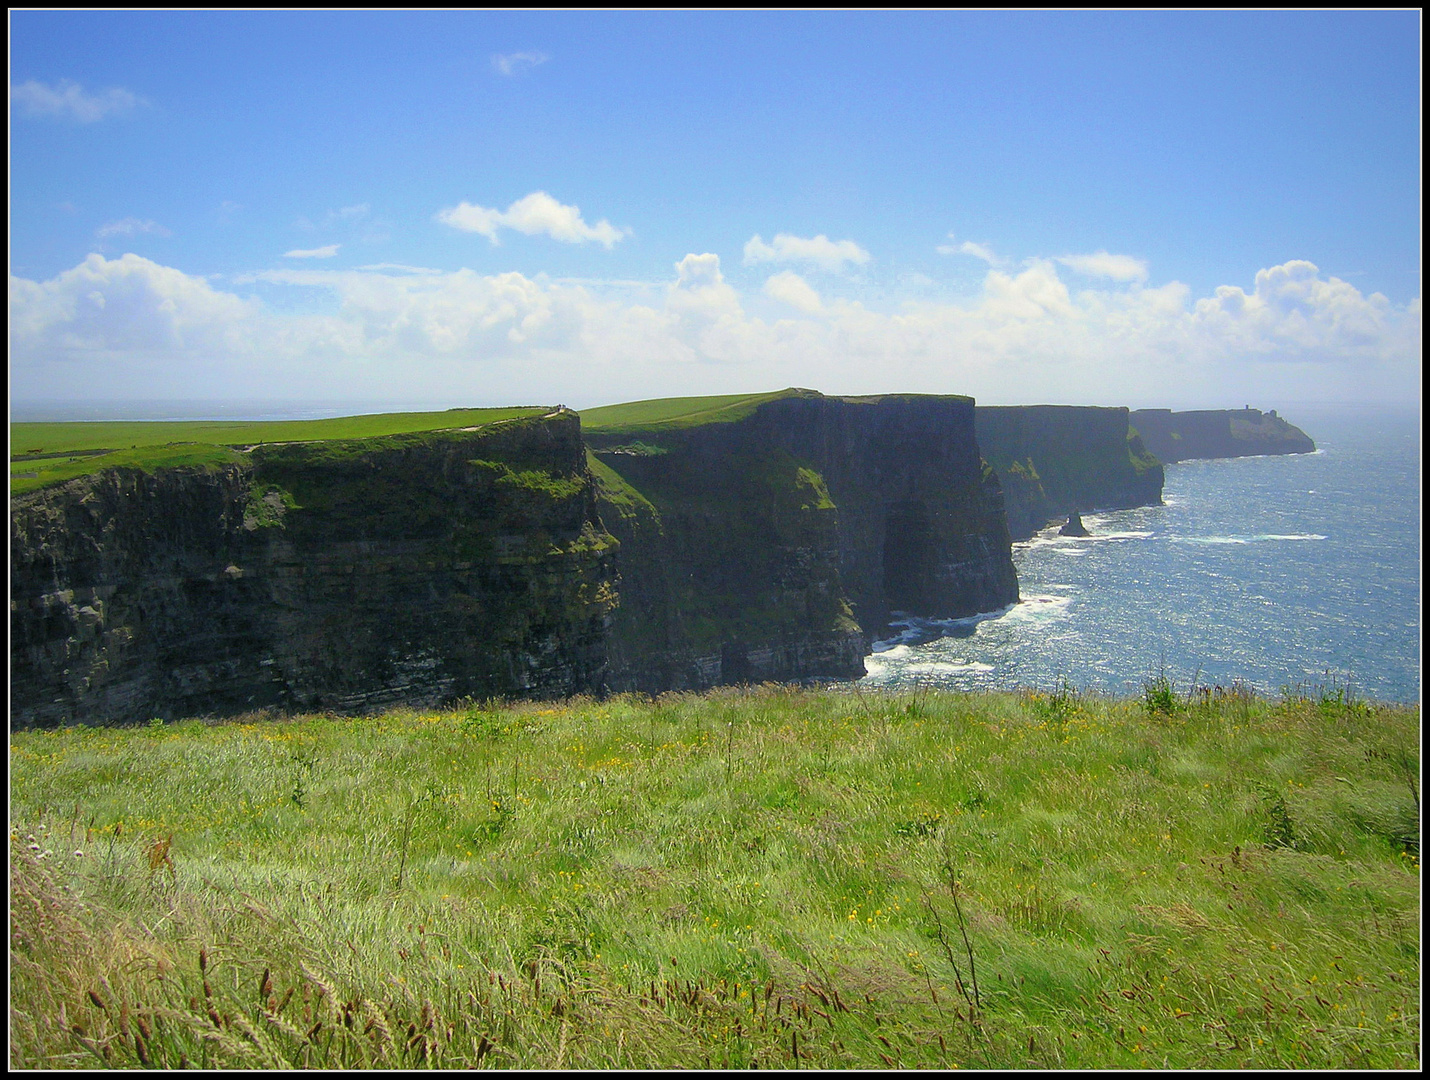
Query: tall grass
<point x="765" y="876"/>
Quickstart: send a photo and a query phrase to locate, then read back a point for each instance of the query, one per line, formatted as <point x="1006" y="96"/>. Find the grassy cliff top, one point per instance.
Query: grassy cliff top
<point x="680" y="412"/>
<point x="44" y="454"/>
<point x="672" y="413"/>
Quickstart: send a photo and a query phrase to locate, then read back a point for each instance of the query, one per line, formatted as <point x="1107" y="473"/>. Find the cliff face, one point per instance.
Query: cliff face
<point x="1056" y="459"/>
<point x="1218" y="433"/>
<point x="756" y="549"/>
<point x="352" y="575"/>
<point x="342" y="575"/>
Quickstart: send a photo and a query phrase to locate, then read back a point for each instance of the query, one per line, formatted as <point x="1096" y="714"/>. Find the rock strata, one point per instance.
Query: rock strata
<point x="337" y="575"/>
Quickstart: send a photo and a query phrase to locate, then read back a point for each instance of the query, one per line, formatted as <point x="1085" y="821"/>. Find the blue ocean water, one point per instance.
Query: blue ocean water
<point x="1292" y="571"/>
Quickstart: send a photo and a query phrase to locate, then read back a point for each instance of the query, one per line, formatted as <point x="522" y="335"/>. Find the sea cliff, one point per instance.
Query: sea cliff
<point x="344" y="575"/>
<point x="775" y="544"/>
<point x="667" y="545"/>
<point x="1053" y="460"/>
<point x="1218" y="433"/>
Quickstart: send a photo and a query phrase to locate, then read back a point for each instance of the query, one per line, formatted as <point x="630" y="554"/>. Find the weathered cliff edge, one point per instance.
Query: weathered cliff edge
<point x="1218" y="433"/>
<point x="774" y="546"/>
<point x="1053" y="460"/>
<point x="341" y="575"/>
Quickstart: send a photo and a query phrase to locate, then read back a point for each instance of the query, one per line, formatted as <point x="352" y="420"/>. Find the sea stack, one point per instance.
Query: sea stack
<point x="1074" y="527"/>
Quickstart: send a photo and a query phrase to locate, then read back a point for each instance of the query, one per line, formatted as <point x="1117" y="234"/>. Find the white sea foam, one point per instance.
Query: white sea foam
<point x="1039" y="607"/>
<point x="893" y="662"/>
<point x="1129" y="534"/>
<point x="934" y="667"/>
<point x="914" y="629"/>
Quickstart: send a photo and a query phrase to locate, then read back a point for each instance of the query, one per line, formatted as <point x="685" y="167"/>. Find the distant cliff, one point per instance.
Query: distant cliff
<point x="1218" y="433"/>
<point x="1052" y="460"/>
<point x="773" y="546"/>
<point x="340" y="575"/>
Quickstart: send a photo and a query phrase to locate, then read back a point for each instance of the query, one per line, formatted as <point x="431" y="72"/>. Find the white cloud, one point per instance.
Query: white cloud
<point x="401" y="268"/>
<point x="130" y="226"/>
<point x="68" y="100"/>
<point x="131" y="327"/>
<point x="112" y="311"/>
<point x="518" y="62"/>
<point x="1293" y="312"/>
<point x="790" y="288"/>
<point x="472" y="218"/>
<point x="820" y="250"/>
<point x="1104" y="264"/>
<point x="535" y="213"/>
<point x="968" y="247"/>
<point x="326" y="252"/>
<point x="980" y="251"/>
<point x="1034" y="294"/>
<point x="699" y="272"/>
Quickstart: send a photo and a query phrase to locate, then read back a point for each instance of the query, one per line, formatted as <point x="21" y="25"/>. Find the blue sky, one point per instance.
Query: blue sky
<point x="483" y="208"/>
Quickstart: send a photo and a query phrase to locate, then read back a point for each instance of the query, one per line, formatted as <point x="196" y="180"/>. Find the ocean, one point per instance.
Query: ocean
<point x="1299" y="571"/>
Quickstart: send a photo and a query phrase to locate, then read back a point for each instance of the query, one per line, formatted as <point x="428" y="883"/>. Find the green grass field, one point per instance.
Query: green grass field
<point x="44" y="454"/>
<point x="776" y="877"/>
<point x="673" y="413"/>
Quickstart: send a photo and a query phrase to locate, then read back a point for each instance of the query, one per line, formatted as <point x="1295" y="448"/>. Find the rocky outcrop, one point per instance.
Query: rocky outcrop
<point x="1218" y="433"/>
<point x="331" y="575"/>
<point x="774" y="546"/>
<point x="1053" y="460"/>
<point x="1074" y="526"/>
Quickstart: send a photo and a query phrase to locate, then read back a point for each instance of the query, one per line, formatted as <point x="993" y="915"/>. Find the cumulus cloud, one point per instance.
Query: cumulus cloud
<point x="698" y="272"/>
<point x="68" y="100"/>
<point x="129" y="326"/>
<point x="325" y="252"/>
<point x="518" y="62"/>
<point x="790" y="288"/>
<point x="1104" y="264"/>
<point x="130" y="226"/>
<point x="534" y="214"/>
<point x="1292" y="312"/>
<point x="823" y="252"/>
<point x="112" y="311"/>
